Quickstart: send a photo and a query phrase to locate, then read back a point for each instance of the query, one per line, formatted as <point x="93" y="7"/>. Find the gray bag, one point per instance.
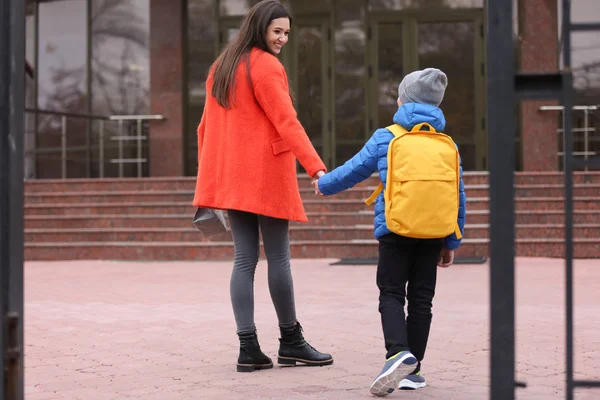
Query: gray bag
<point x="210" y="221"/>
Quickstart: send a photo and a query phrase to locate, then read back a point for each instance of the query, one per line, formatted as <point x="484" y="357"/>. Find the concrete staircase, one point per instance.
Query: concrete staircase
<point x="150" y="219"/>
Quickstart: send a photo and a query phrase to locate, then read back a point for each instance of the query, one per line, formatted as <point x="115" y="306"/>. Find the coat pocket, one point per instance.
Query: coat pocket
<point x="279" y="146"/>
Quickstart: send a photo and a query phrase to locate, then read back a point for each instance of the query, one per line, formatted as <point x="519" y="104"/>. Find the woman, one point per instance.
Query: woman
<point x="248" y="141"/>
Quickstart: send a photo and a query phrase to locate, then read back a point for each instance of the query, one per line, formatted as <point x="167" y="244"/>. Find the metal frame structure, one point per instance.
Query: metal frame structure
<point x="505" y="87"/>
<point x="102" y="141"/>
<point x="586" y="130"/>
<point x="88" y="131"/>
<point x="571" y="163"/>
<point x="501" y="155"/>
<point x="12" y="104"/>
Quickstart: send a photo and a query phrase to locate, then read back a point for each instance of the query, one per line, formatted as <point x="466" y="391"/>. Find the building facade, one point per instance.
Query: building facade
<point x="99" y="58"/>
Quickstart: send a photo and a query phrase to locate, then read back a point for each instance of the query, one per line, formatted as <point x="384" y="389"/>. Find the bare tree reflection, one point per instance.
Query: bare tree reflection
<point x="119" y="81"/>
<point x="119" y="56"/>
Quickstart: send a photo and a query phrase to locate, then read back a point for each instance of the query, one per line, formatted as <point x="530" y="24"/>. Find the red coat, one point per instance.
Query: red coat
<point x="247" y="154"/>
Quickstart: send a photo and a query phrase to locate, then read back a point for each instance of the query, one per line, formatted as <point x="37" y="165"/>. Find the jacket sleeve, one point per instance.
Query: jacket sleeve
<point x="452" y="242"/>
<point x="272" y="93"/>
<point x="354" y="171"/>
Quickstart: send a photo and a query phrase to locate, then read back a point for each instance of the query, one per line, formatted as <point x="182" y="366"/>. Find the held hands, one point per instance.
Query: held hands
<point x="446" y="258"/>
<point x="315" y="182"/>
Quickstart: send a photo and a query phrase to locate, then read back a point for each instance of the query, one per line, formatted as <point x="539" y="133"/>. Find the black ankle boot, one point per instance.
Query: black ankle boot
<point x="293" y="348"/>
<point x="251" y="357"/>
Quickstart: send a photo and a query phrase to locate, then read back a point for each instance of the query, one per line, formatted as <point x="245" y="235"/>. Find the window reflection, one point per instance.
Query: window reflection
<point x="241" y="7"/>
<point x="451" y="48"/>
<point x="423" y="4"/>
<point x="391" y="70"/>
<point x="62" y="55"/>
<point x="120" y="57"/>
<point x="586" y="84"/>
<point x="236" y="7"/>
<point x="349" y="75"/>
<point x="62" y="84"/>
<point x="120" y="80"/>
<point x="309" y="94"/>
<point x="201" y="50"/>
<point x="30" y="100"/>
<point x="350" y="69"/>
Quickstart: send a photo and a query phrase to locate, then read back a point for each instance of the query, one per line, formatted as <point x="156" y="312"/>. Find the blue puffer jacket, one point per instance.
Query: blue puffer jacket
<point x="373" y="157"/>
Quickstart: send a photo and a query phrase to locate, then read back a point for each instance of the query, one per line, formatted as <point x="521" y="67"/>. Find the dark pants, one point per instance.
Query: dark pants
<point x="407" y="269"/>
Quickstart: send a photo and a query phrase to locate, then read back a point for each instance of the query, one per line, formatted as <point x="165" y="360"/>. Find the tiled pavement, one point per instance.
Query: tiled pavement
<point x="114" y="330"/>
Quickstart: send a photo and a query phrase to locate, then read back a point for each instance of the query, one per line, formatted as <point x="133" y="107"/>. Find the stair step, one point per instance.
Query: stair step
<point x="150" y="219"/>
<point x="318" y="205"/>
<point x="179" y="251"/>
<point x="533" y="231"/>
<point x="189" y="183"/>
<point x="159" y="196"/>
<point x="360" y="193"/>
<point x="197" y="251"/>
<point x="527" y="191"/>
<point x="365" y="217"/>
<point x="297" y="233"/>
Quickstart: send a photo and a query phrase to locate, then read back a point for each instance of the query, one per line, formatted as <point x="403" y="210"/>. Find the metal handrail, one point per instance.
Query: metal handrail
<point x="575" y="108"/>
<point x="120" y="138"/>
<point x="136" y="117"/>
<point x="65" y="114"/>
<point x="586" y="130"/>
<point x="139" y="138"/>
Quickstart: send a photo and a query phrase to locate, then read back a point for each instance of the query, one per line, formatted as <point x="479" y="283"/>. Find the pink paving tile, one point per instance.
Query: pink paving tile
<point x="157" y="330"/>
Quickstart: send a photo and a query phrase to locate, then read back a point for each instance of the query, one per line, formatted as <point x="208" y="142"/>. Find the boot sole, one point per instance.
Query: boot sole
<point x="311" y="363"/>
<point x="253" y="367"/>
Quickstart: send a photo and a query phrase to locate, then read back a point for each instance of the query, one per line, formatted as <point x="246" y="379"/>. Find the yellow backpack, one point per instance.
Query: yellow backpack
<point x="423" y="177"/>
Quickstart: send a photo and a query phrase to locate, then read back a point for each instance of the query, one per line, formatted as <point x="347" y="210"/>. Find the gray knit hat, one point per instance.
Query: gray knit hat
<point x="425" y="86"/>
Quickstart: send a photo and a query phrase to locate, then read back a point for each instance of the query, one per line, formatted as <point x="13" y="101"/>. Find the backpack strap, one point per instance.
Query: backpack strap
<point x="374" y="195"/>
<point x="419" y="127"/>
<point x="457" y="232"/>
<point x="397" y="131"/>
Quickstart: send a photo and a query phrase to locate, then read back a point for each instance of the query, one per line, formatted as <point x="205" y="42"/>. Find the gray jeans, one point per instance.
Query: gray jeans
<point x="276" y="239"/>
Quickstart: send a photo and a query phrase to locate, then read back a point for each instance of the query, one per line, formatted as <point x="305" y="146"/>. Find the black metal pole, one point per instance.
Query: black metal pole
<point x="567" y="102"/>
<point x="501" y="135"/>
<point x="4" y="123"/>
<point x="12" y="105"/>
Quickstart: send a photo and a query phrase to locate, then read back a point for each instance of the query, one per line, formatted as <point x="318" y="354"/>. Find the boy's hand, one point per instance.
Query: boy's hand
<point x="315" y="183"/>
<point x="446" y="258"/>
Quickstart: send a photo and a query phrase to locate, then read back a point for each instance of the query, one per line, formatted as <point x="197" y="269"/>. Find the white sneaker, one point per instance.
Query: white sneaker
<point x="412" y="382"/>
<point x="394" y="370"/>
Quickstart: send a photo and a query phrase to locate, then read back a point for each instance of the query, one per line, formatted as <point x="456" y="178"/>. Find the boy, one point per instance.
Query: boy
<point x="406" y="260"/>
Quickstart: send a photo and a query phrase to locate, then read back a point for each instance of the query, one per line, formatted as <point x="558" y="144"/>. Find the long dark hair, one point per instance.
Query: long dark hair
<point x="252" y="34"/>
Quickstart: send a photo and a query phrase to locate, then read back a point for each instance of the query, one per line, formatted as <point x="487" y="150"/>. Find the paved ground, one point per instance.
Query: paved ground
<point x="107" y="330"/>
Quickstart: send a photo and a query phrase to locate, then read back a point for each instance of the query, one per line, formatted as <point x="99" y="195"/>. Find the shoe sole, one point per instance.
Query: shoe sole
<point x="253" y="367"/>
<point x="312" y="363"/>
<point x="406" y="384"/>
<point x="387" y="382"/>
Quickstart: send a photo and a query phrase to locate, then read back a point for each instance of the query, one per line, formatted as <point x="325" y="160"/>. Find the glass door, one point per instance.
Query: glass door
<point x="308" y="62"/>
<point x="307" y="58"/>
<point x="228" y="29"/>
<point x="404" y="41"/>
